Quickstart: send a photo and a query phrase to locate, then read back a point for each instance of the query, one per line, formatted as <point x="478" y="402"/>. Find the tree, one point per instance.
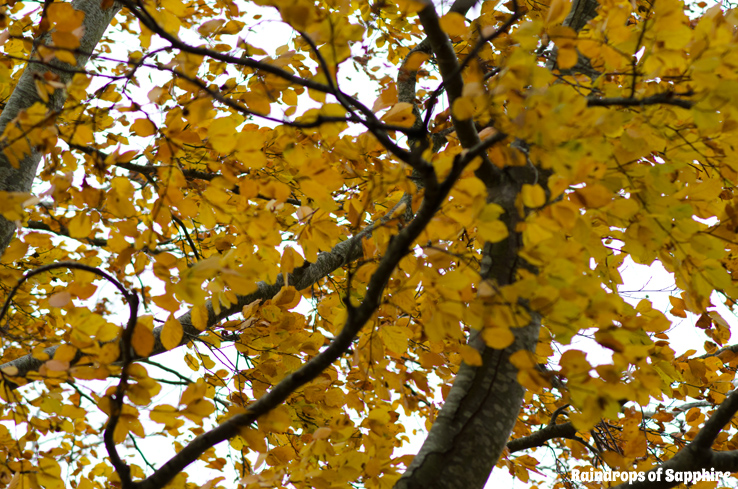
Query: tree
<point x="460" y="231"/>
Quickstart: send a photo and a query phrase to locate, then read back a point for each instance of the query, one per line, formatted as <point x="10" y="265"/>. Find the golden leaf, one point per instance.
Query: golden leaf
<point x="143" y="128"/>
<point x="171" y="333"/>
<point x="453" y="24"/>
<point x="533" y="196"/>
<point x="142" y="339"/>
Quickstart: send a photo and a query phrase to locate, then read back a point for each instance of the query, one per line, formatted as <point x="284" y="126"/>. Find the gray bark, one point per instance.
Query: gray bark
<point x="25" y="95"/>
<point x="582" y="11"/>
<point x="471" y="431"/>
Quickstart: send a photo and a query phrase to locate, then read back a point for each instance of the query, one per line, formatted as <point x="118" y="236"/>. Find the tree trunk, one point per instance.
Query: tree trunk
<point x="474" y="425"/>
<point x="25" y="95"/>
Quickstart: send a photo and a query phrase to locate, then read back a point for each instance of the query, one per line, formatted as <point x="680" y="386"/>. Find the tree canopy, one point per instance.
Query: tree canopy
<point x="343" y="215"/>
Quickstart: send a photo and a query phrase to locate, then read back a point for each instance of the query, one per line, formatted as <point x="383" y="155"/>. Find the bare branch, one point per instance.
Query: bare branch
<point x="449" y="66"/>
<point x="667" y="98"/>
<point x="63" y="231"/>
<point x="542" y="436"/>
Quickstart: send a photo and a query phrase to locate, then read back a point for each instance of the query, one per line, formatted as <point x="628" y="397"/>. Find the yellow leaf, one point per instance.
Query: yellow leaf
<point x="289" y="97"/>
<point x="298" y="14"/>
<point x="454" y="280"/>
<point x="12" y="203"/>
<point x="492" y="232"/>
<point x="192" y="362"/>
<point x="289" y="260"/>
<point x="208" y="28"/>
<point x="142" y="340"/>
<point x="498" y="338"/>
<point x="708" y="121"/>
<point x="167" y="302"/>
<point x="171" y="333"/>
<point x="414" y="61"/>
<point x="470" y="355"/>
<point x="635" y="445"/>
<point x="189" y="289"/>
<point x="143" y="128"/>
<point x="109" y="353"/>
<point x="276" y="420"/>
<point x="706" y="191"/>
<point x="408" y="7"/>
<point x="257" y="103"/>
<point x="613" y="459"/>
<point x="166" y="415"/>
<point x="287" y="298"/>
<point x="453" y="24"/>
<point x="254" y="439"/>
<point x="65" y="353"/>
<point x="558" y="11"/>
<point x="463" y="108"/>
<point x="64" y="17"/>
<point x="222" y="135"/>
<point x="574" y="363"/>
<point x="678" y="306"/>
<point x="533" y="196"/>
<point x="234" y="27"/>
<point x="566" y="58"/>
<point x="199" y="317"/>
<point x="15" y="251"/>
<point x="594" y="196"/>
<point x="119" y="198"/>
<point x="395" y="338"/>
<point x="198" y="111"/>
<point x="48" y="474"/>
<point x="198" y="409"/>
<point x="65" y="40"/>
<point x="401" y="114"/>
<point x="176" y="7"/>
<point x="80" y="226"/>
<point x="523" y="360"/>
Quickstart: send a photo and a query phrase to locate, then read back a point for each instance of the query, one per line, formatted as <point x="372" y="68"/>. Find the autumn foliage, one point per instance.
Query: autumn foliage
<point x="283" y="238"/>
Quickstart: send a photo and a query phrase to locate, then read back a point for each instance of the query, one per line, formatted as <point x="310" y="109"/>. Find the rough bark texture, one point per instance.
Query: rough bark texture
<point x="582" y="11"/>
<point x="472" y="429"/>
<point x="540" y="437"/>
<point x="25" y="95"/>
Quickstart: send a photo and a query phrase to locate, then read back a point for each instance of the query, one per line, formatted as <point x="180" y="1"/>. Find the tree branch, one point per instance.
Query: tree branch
<point x="451" y="74"/>
<point x="398" y="247"/>
<point x="698" y="454"/>
<point x="667" y="98"/>
<point x="63" y="231"/>
<point x="473" y="428"/>
<point x="341" y="254"/>
<point x="150" y="170"/>
<point x="540" y="437"/>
